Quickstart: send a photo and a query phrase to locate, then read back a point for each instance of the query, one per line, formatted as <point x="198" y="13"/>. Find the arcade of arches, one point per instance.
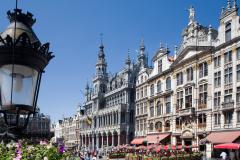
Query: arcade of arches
<point x="105" y="139"/>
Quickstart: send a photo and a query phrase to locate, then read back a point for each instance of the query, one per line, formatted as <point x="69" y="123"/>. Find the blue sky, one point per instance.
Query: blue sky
<point x="73" y="28"/>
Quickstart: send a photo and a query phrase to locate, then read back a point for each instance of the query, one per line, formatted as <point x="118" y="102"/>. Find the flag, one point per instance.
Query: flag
<point x="89" y="120"/>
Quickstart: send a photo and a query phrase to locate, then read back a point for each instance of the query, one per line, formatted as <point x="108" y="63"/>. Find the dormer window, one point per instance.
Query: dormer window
<point x="159" y="66"/>
<point x="228" y="31"/>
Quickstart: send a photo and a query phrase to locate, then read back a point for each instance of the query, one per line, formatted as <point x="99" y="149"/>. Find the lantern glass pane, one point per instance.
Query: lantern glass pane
<point x="21" y="81"/>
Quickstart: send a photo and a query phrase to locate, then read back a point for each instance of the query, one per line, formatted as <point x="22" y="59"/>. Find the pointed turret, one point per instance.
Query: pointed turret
<point x="142" y="59"/>
<point x="142" y="47"/>
<point x="128" y="60"/>
<point x="101" y="66"/>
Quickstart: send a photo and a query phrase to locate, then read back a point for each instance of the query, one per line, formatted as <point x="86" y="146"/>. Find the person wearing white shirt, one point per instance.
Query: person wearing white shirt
<point x="223" y="155"/>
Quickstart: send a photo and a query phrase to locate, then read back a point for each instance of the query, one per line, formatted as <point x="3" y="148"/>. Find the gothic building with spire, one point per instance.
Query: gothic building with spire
<point x="107" y="116"/>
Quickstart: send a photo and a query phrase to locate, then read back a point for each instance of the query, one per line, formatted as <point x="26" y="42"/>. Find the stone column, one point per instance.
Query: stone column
<point x="97" y="141"/>
<point x="127" y="140"/>
<point x="222" y="120"/>
<point x="107" y="140"/>
<point x="93" y="146"/>
<point x="174" y="140"/>
<point x="85" y="140"/>
<point x="119" y="118"/>
<point x="112" y="139"/>
<point x="102" y="141"/>
<point x="119" y="139"/>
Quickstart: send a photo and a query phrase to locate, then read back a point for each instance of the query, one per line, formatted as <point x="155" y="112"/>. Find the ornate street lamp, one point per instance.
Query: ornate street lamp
<point x="22" y="62"/>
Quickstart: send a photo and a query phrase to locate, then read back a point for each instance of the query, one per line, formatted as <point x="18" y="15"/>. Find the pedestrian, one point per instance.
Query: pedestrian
<point x="232" y="155"/>
<point x="223" y="155"/>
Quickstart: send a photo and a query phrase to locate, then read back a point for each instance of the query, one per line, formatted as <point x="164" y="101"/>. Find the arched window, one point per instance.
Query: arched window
<point x="158" y="126"/>
<point x="159" y="109"/>
<point x="159" y="87"/>
<point x="152" y="89"/>
<point x="168" y="83"/>
<point x="167" y="126"/>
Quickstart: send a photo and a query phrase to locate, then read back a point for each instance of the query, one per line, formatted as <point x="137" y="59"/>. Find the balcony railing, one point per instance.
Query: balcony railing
<point x="228" y="105"/>
<point x="187" y="111"/>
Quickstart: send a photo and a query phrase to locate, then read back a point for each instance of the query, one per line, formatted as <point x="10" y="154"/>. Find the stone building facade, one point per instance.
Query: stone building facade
<point x="194" y="96"/>
<point x="107" y="116"/>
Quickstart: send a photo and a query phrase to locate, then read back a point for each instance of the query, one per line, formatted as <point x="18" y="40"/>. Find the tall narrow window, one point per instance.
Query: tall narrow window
<point x="228" y="31"/>
<point x="228" y="95"/>
<point x="188" y="97"/>
<point x="152" y="89"/>
<point x="217" y="119"/>
<point x="168" y="83"/>
<point x="179" y="78"/>
<point x="203" y="69"/>
<point x="179" y="100"/>
<point x="159" y="66"/>
<point x="159" y="86"/>
<point x="228" y="57"/>
<point x="217" y="79"/>
<point x="145" y="91"/>
<point x="202" y="94"/>
<point x="238" y="53"/>
<point x="159" y="111"/>
<point x="238" y="95"/>
<point x="238" y="72"/>
<point x="190" y="74"/>
<point x="228" y="117"/>
<point x="238" y="117"/>
<point x="217" y="61"/>
<point x="217" y="99"/>
<point x="168" y="104"/>
<point x="228" y="75"/>
<point x="151" y="109"/>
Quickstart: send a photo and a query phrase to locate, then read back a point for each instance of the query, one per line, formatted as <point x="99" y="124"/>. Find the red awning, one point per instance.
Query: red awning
<point x="138" y="141"/>
<point x="227" y="146"/>
<point x="223" y="137"/>
<point x="156" y="138"/>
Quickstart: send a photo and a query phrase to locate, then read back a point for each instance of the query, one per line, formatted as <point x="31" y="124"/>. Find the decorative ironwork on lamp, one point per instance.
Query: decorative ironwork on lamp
<point x="22" y="62"/>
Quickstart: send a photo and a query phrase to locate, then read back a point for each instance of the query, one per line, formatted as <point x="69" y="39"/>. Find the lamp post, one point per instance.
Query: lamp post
<point x="22" y="62"/>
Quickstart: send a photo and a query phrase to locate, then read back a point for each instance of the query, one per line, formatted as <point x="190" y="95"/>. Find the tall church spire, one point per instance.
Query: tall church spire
<point x="142" y="60"/>
<point x="128" y="60"/>
<point x="101" y="66"/>
<point x="142" y="47"/>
